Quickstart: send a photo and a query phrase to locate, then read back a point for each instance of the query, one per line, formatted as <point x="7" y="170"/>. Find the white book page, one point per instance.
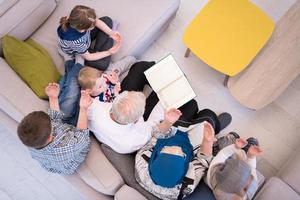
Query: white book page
<point x="163" y="73"/>
<point x="176" y="94"/>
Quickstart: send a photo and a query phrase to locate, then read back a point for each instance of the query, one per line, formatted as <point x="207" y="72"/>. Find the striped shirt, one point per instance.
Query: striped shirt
<point x="67" y="150"/>
<point x="72" y="41"/>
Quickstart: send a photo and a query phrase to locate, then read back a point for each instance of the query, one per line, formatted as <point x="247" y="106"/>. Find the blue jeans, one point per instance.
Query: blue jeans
<point x="70" y="92"/>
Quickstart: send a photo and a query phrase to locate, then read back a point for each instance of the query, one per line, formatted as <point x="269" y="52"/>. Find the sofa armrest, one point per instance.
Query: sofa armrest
<point x="126" y="193"/>
<point x="16" y="98"/>
<point x="98" y="172"/>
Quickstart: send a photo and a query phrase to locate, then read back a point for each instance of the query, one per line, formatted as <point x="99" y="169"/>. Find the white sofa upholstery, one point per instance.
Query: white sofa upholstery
<point x="140" y="23"/>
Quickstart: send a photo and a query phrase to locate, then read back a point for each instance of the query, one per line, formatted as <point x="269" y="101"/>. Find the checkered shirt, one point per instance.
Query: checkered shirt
<point x="67" y="150"/>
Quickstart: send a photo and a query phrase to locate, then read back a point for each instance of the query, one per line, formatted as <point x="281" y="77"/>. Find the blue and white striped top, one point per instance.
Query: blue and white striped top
<point x="72" y="41"/>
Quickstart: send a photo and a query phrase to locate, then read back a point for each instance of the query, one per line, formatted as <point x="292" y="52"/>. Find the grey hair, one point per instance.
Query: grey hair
<point x="128" y="107"/>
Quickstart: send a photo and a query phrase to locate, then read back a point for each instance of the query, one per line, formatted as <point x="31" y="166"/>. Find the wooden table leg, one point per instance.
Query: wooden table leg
<point x="187" y="52"/>
<point x="225" y="80"/>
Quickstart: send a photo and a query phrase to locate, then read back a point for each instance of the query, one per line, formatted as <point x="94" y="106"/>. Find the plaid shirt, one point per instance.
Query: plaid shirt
<point x="67" y="150"/>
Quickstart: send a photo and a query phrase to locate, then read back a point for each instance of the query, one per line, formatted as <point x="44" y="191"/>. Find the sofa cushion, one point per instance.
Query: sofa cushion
<point x="290" y="172"/>
<point x="98" y="172"/>
<point x="124" y="163"/>
<point x="277" y="189"/>
<point x="31" y="62"/>
<point x="126" y="193"/>
<point x="21" y="18"/>
<point x="140" y="22"/>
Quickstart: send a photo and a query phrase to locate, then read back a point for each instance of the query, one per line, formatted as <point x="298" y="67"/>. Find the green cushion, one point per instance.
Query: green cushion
<point x="31" y="62"/>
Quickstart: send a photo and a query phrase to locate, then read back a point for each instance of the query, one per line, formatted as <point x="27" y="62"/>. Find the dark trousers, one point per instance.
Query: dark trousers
<point x="136" y="80"/>
<point x="102" y="43"/>
<point x="209" y="116"/>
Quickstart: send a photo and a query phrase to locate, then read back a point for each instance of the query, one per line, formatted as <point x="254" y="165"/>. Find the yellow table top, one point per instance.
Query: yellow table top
<point x="227" y="34"/>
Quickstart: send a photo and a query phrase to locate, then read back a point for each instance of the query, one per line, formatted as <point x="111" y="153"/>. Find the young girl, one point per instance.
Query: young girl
<point x="77" y="31"/>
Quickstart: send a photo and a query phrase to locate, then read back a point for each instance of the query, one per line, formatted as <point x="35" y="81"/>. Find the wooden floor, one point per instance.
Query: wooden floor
<point x="277" y="126"/>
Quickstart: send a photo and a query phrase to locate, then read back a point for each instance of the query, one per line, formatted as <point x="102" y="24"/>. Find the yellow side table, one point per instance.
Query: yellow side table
<point x="227" y="34"/>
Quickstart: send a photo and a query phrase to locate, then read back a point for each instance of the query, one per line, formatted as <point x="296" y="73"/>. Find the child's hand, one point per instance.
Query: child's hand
<point x="209" y="132"/>
<point x="254" y="151"/>
<point x="116" y="36"/>
<point x="240" y="143"/>
<point x="172" y="115"/>
<point x="52" y="90"/>
<point x="85" y="99"/>
<point x="112" y="77"/>
<point x="117" y="88"/>
<point x="114" y="49"/>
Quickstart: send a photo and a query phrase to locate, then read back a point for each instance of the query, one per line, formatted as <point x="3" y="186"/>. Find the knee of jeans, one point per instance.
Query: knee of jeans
<point x="69" y="107"/>
<point x="107" y="20"/>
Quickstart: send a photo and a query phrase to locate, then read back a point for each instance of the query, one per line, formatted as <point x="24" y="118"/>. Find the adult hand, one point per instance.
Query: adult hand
<point x="240" y="143"/>
<point x="209" y="132"/>
<point x="172" y="115"/>
<point x="52" y="90"/>
<point x="85" y="99"/>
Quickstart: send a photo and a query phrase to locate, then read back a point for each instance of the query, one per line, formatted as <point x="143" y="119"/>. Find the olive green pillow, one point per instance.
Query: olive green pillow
<point x="31" y="62"/>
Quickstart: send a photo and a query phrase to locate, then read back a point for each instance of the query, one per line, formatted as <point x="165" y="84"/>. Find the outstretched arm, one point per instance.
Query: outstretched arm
<point x="85" y="101"/>
<point x="171" y="117"/>
<point x="113" y="34"/>
<point x="208" y="139"/>
<point x="52" y="90"/>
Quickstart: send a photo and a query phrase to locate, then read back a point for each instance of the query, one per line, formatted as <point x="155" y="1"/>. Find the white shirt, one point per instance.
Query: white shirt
<point x="121" y="138"/>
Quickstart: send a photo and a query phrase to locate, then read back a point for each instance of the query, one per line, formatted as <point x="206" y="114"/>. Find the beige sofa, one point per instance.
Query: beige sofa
<point x="141" y="22"/>
<point x="286" y="185"/>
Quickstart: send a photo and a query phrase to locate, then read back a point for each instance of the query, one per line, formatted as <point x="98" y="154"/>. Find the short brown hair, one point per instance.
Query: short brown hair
<point x="88" y="76"/>
<point x="81" y="18"/>
<point x="35" y="129"/>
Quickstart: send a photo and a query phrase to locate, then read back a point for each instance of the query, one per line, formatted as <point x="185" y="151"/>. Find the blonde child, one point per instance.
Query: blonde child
<point x="103" y="85"/>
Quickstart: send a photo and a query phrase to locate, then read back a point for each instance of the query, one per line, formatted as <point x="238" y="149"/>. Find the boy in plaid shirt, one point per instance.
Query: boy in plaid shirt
<point x="57" y="146"/>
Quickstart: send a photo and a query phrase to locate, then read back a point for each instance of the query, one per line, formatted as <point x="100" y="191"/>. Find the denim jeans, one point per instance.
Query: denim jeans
<point x="70" y="92"/>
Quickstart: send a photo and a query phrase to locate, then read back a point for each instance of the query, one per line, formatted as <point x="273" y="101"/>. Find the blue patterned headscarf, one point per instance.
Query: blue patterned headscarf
<point x="168" y="170"/>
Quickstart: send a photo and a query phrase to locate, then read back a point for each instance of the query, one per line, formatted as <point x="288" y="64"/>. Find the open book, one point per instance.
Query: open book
<point x="170" y="83"/>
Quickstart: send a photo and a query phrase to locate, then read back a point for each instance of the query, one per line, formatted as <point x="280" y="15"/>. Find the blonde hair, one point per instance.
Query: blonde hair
<point x="81" y="18"/>
<point x="128" y="107"/>
<point x="88" y="76"/>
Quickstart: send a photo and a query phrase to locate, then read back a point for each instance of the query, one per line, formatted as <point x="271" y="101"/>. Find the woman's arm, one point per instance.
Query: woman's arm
<point x="171" y="117"/>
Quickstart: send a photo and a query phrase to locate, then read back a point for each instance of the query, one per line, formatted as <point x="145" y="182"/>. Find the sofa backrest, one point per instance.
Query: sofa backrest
<point x="20" y="18"/>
